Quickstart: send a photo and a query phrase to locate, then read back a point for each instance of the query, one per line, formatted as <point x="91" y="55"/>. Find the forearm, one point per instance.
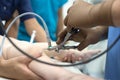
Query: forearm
<point x="49" y="72"/>
<point x="5" y="47"/>
<point x="83" y="77"/>
<point x="13" y="32"/>
<point x="9" y="51"/>
<point x="1" y="67"/>
<point x="44" y="71"/>
<point x="31" y="25"/>
<point x="60" y="25"/>
<point x="106" y="13"/>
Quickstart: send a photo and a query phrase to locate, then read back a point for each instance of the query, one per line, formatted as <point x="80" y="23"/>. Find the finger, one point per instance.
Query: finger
<point x="69" y="57"/>
<point x="75" y="55"/>
<point x="79" y="58"/>
<point x="63" y="33"/>
<point x="78" y="37"/>
<point x="73" y="58"/>
<point x="90" y="53"/>
<point x="61" y="36"/>
<point x="65" y="59"/>
<point x="66" y="20"/>
<point x="83" y="45"/>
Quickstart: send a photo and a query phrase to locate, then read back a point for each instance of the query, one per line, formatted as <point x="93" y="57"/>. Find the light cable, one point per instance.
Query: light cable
<point x="60" y="65"/>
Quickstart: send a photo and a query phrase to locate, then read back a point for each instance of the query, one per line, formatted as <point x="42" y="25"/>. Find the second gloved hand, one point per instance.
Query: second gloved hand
<point x="85" y="36"/>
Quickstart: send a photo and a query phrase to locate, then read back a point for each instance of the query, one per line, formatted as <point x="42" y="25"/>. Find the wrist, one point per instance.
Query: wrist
<point x="101" y="14"/>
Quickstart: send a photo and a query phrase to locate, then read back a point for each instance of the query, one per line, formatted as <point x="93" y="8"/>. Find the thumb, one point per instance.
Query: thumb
<point x="66" y="20"/>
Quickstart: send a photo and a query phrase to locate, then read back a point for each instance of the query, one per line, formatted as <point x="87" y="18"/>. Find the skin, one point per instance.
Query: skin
<point x="40" y="35"/>
<point x="30" y="24"/>
<point x="60" y="25"/>
<point x="43" y="70"/>
<point x="13" y="32"/>
<point x="116" y="12"/>
<point x="78" y="15"/>
<point x="13" y="60"/>
<point x="85" y="15"/>
<point x="79" y="12"/>
<point x="17" y="67"/>
<point x="14" y="29"/>
<point x="85" y="36"/>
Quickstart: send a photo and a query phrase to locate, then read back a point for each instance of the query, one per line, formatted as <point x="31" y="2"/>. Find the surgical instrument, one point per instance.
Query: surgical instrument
<point x="60" y="65"/>
<point x="62" y="45"/>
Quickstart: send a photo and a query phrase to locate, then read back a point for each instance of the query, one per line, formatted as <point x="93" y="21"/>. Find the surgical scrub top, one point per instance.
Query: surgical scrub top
<point x="112" y="71"/>
<point x="7" y="7"/>
<point x="48" y="10"/>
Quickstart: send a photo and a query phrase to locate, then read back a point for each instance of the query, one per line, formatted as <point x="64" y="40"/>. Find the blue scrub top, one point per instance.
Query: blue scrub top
<point x="48" y="10"/>
<point x="112" y="71"/>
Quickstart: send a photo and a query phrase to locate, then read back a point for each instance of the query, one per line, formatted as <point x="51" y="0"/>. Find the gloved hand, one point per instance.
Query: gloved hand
<point x="78" y="37"/>
<point x="85" y="15"/>
<point x="85" y="36"/>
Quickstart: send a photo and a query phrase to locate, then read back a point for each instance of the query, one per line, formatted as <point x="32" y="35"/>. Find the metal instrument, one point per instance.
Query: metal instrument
<point x="62" y="45"/>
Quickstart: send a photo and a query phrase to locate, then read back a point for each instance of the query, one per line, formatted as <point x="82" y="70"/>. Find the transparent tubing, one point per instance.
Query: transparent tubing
<point x="21" y="15"/>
